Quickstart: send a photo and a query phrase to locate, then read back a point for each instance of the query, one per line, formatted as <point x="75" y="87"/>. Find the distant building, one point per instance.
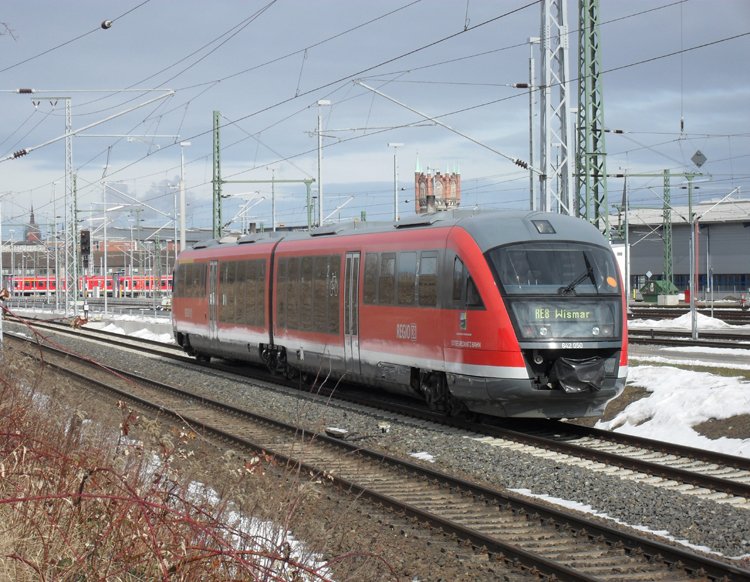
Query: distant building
<point x="33" y="234"/>
<point x="435" y="191"/>
<point x="722" y="240"/>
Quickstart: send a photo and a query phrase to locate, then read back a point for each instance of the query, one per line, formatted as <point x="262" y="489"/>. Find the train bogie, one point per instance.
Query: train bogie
<point x="437" y="308"/>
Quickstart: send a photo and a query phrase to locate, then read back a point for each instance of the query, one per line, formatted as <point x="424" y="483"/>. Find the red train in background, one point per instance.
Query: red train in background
<point x="515" y="314"/>
<point x="91" y="285"/>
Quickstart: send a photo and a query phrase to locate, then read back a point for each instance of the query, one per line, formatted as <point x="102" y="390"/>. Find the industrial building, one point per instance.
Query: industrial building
<point x="722" y="247"/>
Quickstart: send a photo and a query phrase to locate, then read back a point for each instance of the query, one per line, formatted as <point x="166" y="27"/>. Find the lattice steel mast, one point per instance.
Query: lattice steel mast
<point x="591" y="157"/>
<point x="556" y="188"/>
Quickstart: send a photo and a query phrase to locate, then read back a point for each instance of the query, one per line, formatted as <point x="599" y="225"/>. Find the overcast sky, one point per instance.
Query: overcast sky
<point x="264" y="65"/>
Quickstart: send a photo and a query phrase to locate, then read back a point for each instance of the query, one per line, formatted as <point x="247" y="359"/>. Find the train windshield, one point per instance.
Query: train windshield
<point x="559" y="291"/>
<point x="560" y="268"/>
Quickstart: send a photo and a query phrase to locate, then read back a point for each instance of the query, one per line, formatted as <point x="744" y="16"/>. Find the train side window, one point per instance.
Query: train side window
<point x="370" y="293"/>
<point x="473" y="299"/>
<point x="459" y="277"/>
<point x="407" y="277"/>
<point x="293" y="294"/>
<point x="320" y="294"/>
<point x="306" y="291"/>
<point x="192" y="280"/>
<point x="226" y="280"/>
<point x="260" y="293"/>
<point x="465" y="292"/>
<point x="387" y="279"/>
<point x="252" y="289"/>
<point x="333" y="282"/>
<point x="282" y="287"/>
<point x="427" y="279"/>
<point x="244" y="292"/>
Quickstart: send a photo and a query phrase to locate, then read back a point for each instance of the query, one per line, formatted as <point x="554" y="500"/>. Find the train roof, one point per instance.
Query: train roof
<point x="488" y="228"/>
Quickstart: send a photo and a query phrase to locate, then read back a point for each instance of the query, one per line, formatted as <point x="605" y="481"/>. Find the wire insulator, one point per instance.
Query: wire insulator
<point x="20" y="153"/>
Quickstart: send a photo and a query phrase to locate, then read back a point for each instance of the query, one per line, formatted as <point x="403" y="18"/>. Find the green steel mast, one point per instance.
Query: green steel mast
<point x="591" y="167"/>
<point x="667" y="231"/>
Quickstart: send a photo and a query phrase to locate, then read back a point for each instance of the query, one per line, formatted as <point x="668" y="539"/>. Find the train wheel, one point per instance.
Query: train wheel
<point x="291" y="373"/>
<point x="434" y="388"/>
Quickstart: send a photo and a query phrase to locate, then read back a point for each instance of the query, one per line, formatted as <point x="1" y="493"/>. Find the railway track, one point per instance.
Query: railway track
<point x="686" y="470"/>
<point x="707" y="339"/>
<point x="731" y="315"/>
<point x="524" y="534"/>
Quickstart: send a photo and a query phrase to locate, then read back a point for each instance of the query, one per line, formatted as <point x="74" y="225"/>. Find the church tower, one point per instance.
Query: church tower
<point x="33" y="234"/>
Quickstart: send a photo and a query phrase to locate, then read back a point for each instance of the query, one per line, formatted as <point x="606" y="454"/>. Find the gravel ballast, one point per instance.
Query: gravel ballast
<point x="708" y="525"/>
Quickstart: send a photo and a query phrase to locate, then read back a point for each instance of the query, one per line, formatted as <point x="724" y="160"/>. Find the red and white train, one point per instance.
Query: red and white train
<point x="91" y="285"/>
<point x="514" y="314"/>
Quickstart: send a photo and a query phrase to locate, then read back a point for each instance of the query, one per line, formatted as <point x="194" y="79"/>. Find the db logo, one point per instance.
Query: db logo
<point x="406" y="331"/>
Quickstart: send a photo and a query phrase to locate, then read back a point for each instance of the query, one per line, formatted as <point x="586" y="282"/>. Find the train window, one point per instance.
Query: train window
<point x="326" y="300"/>
<point x="306" y="291"/>
<point x="231" y="305"/>
<point x="243" y="291"/>
<point x="370" y="293"/>
<point x="293" y="294"/>
<point x="281" y="293"/>
<point x="465" y="292"/>
<point x="246" y="296"/>
<point x="407" y="277"/>
<point x="473" y="299"/>
<point x="459" y="274"/>
<point x="334" y="280"/>
<point x="260" y="292"/>
<point x="250" y="292"/>
<point x="427" y="282"/>
<point x="562" y="268"/>
<point x="320" y="294"/>
<point x="387" y="279"/>
<point x="191" y="280"/>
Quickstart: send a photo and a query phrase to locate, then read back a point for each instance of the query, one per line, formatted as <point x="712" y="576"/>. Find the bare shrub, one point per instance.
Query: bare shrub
<point x="72" y="509"/>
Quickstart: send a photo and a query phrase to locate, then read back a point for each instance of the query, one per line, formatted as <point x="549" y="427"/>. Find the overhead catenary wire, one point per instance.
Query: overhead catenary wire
<point x="239" y="119"/>
<point x="98" y="28"/>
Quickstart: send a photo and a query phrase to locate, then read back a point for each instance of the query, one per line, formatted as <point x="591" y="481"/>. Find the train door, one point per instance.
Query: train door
<point x="351" y="313"/>
<point x="213" y="308"/>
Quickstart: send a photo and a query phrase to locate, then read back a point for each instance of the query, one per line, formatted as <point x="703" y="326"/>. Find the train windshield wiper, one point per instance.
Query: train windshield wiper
<point x="589" y="272"/>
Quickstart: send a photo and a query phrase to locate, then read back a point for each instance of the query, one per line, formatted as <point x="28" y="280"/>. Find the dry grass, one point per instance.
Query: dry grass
<point x="79" y="501"/>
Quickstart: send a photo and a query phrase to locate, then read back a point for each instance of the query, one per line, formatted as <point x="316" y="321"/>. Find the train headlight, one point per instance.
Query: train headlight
<point x="595" y="330"/>
<point x="543" y="331"/>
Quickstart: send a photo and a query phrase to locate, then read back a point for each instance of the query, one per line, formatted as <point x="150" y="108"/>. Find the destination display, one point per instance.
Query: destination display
<point x="539" y="319"/>
<point x="556" y="313"/>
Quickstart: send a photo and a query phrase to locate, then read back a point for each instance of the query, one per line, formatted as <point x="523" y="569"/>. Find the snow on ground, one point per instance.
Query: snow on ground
<point x="684" y="322"/>
<point x="681" y="399"/>
<point x="141" y="333"/>
<point x="423" y="456"/>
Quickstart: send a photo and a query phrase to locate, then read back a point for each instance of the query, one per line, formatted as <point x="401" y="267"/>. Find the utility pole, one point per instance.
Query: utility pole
<point x="321" y="103"/>
<point x="556" y="188"/>
<point x="395" y="147"/>
<point x="591" y="157"/>
<point x="217" y="181"/>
